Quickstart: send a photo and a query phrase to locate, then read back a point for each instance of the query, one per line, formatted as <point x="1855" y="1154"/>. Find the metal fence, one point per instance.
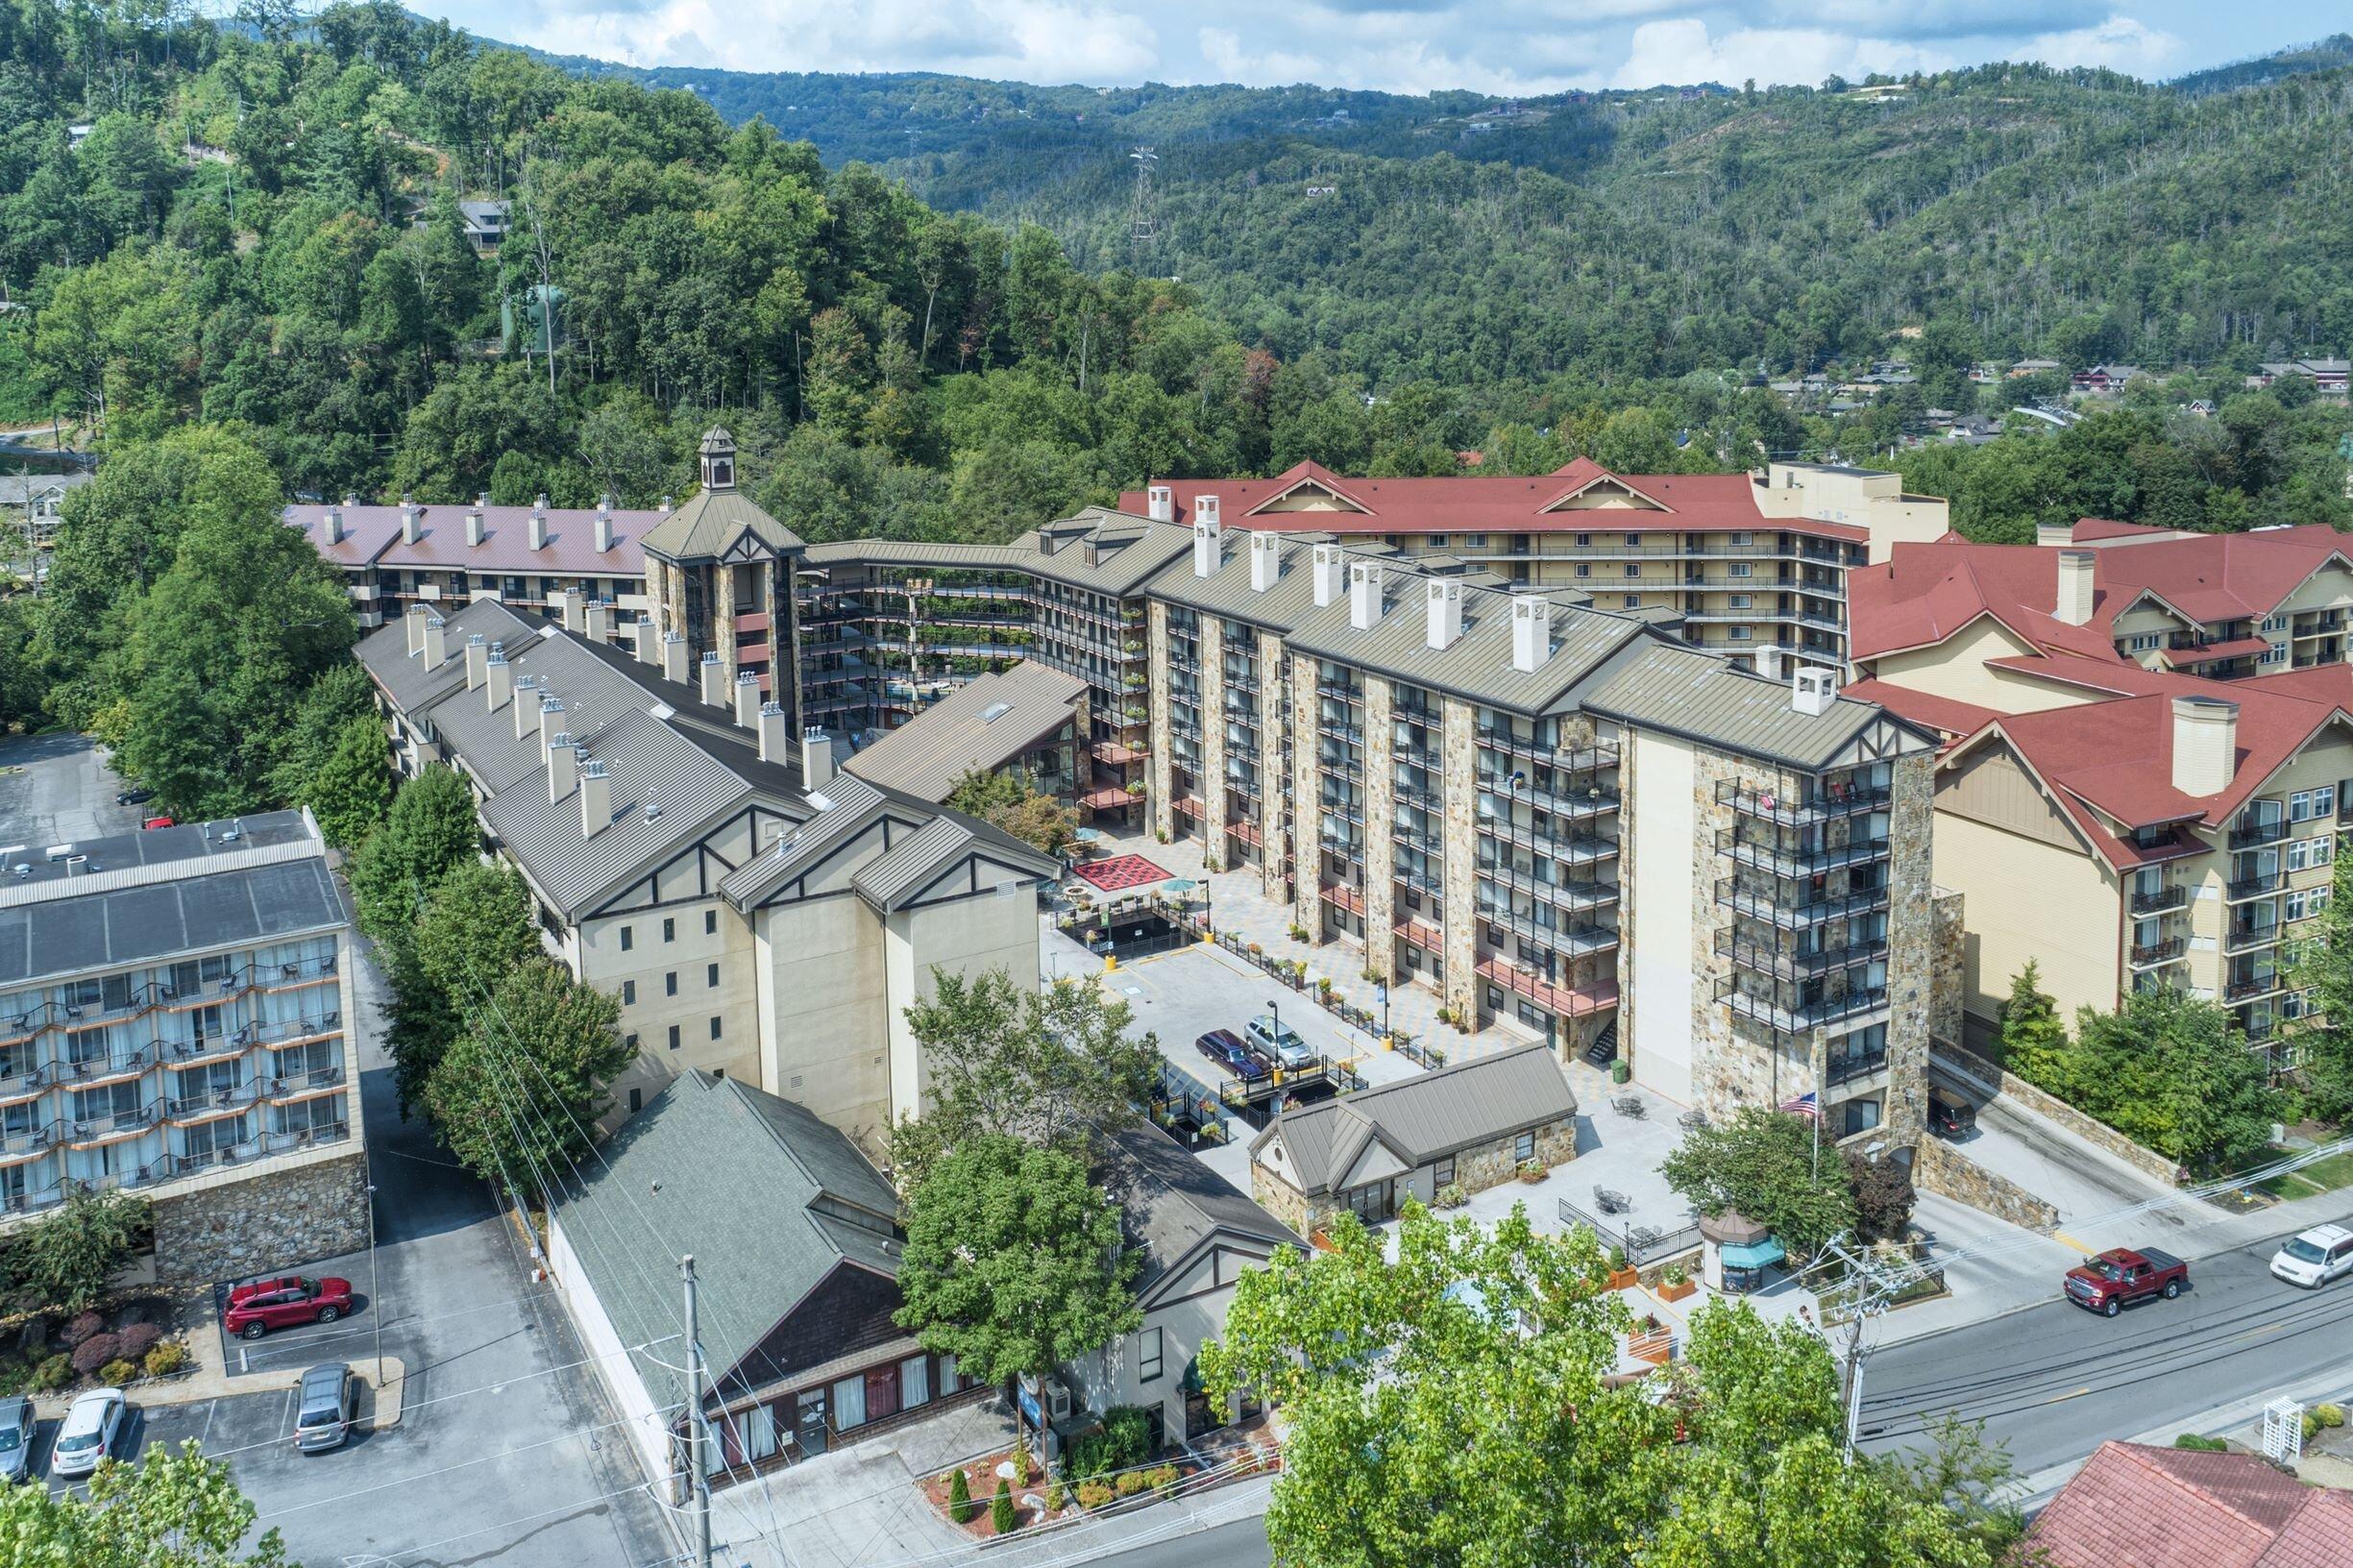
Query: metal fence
<point x="1642" y="1244"/>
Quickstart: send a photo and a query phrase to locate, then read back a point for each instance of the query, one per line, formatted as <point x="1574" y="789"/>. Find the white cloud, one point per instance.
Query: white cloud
<point x="2121" y="44"/>
<point x="1682" y="51"/>
<point x="1382" y="58"/>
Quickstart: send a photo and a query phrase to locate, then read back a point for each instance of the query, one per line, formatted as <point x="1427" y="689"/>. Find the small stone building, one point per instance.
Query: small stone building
<point x="1471" y="1125"/>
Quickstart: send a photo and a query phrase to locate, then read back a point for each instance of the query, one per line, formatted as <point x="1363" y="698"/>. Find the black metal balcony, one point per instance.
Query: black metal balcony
<point x="2159" y="901"/>
<point x="2256" y="885"/>
<point x="2250" y="836"/>
<point x="1797" y="862"/>
<point x="2154" y="953"/>
<point x="1782" y="963"/>
<point x="1796" y="809"/>
<point x="1789" y="910"/>
<point x="1845" y="1069"/>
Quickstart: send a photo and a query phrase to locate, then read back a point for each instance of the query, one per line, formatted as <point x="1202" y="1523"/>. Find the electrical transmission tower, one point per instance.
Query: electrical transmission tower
<point x="1144" y="225"/>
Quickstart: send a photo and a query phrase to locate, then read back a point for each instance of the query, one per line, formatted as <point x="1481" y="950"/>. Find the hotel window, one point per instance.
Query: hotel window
<point x="1740" y="601"/>
<point x="1739" y="569"/>
<point x="1444" y="1173"/>
<point x="714" y="1028"/>
<point x="1632" y="539"/>
<point x="1438" y="541"/>
<point x="669" y="930"/>
<point x="1632" y="570"/>
<point x="669" y="984"/>
<point x="2148" y="642"/>
<point x="710" y="923"/>
<point x="1148" y="1356"/>
<point x="1584" y="570"/>
<point x="1473" y="541"/>
<point x="710" y="974"/>
<point x="1738" y="634"/>
<point x="1742" y="539"/>
<point x="673" y="1036"/>
<point x="2276" y="654"/>
<point x="628" y="993"/>
<point x="1633" y="601"/>
<point x="1524" y="1147"/>
<point x="849" y="1404"/>
<point x="913" y="1382"/>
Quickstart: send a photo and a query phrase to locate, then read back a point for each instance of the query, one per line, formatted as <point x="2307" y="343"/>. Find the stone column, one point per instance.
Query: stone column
<point x="1275" y="839"/>
<point x="1212" y="640"/>
<point x="1380" y="829"/>
<point x="1306" y="855"/>
<point x="1911" y="934"/>
<point x="1457" y="728"/>
<point x="1158" y="808"/>
<point x="723" y="615"/>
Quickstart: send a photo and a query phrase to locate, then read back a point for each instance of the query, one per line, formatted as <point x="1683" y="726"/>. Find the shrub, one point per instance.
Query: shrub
<point x="2202" y="1445"/>
<point x="960" y="1504"/>
<point x="1057" y="1495"/>
<point x="1124" y="1442"/>
<point x="2331" y="1415"/>
<point x="1673" y="1274"/>
<point x="1092" y="1494"/>
<point x="93" y="1353"/>
<point x="1020" y="1460"/>
<point x="79" y="1327"/>
<point x="1001" y="1517"/>
<point x="1163" y="1478"/>
<point x="1617" y="1259"/>
<point x="1129" y="1483"/>
<point x="165" y="1360"/>
<point x="53" y="1374"/>
<point x="135" y="1339"/>
<point x="114" y="1374"/>
<point x="1452" y="1196"/>
<point x="2312" y="1425"/>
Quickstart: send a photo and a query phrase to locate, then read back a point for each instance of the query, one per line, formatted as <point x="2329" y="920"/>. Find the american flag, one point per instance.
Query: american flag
<point x="1805" y="1105"/>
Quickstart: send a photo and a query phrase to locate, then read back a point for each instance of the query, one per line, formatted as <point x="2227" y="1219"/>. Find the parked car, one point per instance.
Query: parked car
<point x="2106" y="1282"/>
<point x="2312" y="1259"/>
<point x="1224" y="1047"/>
<point x="132" y="797"/>
<point x="87" y="1434"/>
<point x="15" y="1438"/>
<point x="1951" y="1117"/>
<point x="158" y="821"/>
<point x="258" y="1305"/>
<point x="328" y="1403"/>
<point x="1279" y="1041"/>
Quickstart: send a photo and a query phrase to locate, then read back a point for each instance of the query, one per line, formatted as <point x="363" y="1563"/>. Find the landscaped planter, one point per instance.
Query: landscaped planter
<point x="1655" y="1345"/>
<point x="1677" y="1292"/>
<point x="1625" y="1279"/>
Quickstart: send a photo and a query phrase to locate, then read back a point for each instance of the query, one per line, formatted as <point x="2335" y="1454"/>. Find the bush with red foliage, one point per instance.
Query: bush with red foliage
<point x="79" y="1327"/>
<point x="93" y="1353"/>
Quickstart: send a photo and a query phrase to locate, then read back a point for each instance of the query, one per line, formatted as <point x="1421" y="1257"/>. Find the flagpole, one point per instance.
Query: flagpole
<point x="1820" y="1054"/>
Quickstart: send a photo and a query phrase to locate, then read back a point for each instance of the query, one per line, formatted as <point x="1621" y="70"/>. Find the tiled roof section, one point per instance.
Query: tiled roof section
<point x="1924" y="593"/>
<point x="901" y="873"/>
<point x="1494" y="503"/>
<point x="711" y="1167"/>
<point x="1705" y="698"/>
<point x="373" y="533"/>
<point x="1172" y="1203"/>
<point x="1949" y="717"/>
<point x="1426" y="1115"/>
<point x="1282" y="607"/>
<point x="2137" y="1506"/>
<point x="1129" y="551"/>
<point x="964" y="731"/>
<point x="403" y="675"/>
<point x="711" y="523"/>
<point x="667" y="791"/>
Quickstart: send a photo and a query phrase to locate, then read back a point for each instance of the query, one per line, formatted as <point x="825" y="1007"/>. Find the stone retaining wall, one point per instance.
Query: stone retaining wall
<point x="276" y="1220"/>
<point x="1951" y="1174"/>
<point x="2092" y="1130"/>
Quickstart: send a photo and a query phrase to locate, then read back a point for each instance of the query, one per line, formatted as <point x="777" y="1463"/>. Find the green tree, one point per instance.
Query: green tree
<point x="1001" y="1517"/>
<point x="429" y="830"/>
<point x="175" y="1509"/>
<point x="529" y="1070"/>
<point x="2322" y="964"/>
<point x="473" y="928"/>
<point x="1057" y="1067"/>
<point x="62" y="1261"/>
<point x="1013" y="803"/>
<point x="2034" y="1036"/>
<point x="2173" y="1071"/>
<point x="1764" y="1164"/>
<point x="352" y="787"/>
<point x="1012" y="1262"/>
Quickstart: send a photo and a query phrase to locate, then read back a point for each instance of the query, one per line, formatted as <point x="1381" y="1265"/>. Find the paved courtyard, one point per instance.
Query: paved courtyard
<point x="55" y="789"/>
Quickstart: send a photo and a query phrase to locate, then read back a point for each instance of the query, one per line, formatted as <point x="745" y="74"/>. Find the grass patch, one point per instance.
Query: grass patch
<point x="2321" y="1176"/>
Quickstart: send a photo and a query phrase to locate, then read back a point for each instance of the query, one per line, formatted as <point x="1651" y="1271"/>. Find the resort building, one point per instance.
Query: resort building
<point x="172" y="1023"/>
<point x="1028" y="723"/>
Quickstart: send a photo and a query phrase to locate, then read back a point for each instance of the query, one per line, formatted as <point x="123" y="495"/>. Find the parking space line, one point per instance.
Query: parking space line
<point x="210" y="1406"/>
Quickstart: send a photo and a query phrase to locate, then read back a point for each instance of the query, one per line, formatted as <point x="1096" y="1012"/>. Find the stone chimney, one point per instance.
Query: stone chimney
<point x="2205" y="745"/>
<point x="477" y="658"/>
<point x="1160" y="504"/>
<point x="498" y="677"/>
<point x="412" y="521"/>
<point x="436" y="641"/>
<point x="596" y="798"/>
<point x="1209" y="537"/>
<point x="596" y="621"/>
<point x="1328" y="562"/>
<point x="776" y="743"/>
<point x="2075" y="587"/>
<point x="539" y="524"/>
<point x="748" y="699"/>
<point x="1445" y="612"/>
<point x="475" y="531"/>
<point x="605" y="523"/>
<point x="412" y="619"/>
<point x="674" y="658"/>
<point x="334" y="524"/>
<point x="1265" y="561"/>
<point x="714" y="679"/>
<point x="526" y="706"/>
<point x="816" y="758"/>
<point x="563" y="764"/>
<point x="574" y="619"/>
<point x="647" y="640"/>
<point x="1813" y="689"/>
<point x="1364" y="595"/>
<point x="1532" y="632"/>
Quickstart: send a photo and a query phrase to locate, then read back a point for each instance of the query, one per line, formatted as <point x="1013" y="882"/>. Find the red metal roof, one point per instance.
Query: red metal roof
<point x="373" y="533"/>
<point x="2137" y="1506"/>
<point x="1495" y="503"/>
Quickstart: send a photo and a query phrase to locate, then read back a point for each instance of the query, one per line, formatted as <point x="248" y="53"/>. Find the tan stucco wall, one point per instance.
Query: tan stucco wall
<point x="823" y="989"/>
<point x="1957" y="669"/>
<point x="600" y="962"/>
<point x="967" y="936"/>
<point x="1661" y="964"/>
<point x="2027" y="900"/>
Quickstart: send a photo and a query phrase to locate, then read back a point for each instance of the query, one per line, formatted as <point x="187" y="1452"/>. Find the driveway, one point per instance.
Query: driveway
<point x="57" y="789"/>
<point x="2081" y="1181"/>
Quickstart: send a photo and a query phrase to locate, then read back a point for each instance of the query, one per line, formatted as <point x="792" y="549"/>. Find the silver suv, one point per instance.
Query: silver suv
<point x="324" y="1410"/>
<point x="1280" y="1040"/>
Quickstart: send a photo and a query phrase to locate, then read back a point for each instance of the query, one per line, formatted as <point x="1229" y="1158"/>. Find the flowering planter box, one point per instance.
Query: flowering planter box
<point x="1676" y="1292"/>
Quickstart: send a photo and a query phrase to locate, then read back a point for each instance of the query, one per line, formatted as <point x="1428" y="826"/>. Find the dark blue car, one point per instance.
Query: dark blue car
<point x="1225" y="1048"/>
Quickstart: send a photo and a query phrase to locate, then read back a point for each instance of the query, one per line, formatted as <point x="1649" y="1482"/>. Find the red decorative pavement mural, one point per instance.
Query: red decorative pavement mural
<point x="1122" y="872"/>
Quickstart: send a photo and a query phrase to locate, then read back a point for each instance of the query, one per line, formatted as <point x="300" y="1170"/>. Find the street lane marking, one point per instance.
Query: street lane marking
<point x="2066" y="1239"/>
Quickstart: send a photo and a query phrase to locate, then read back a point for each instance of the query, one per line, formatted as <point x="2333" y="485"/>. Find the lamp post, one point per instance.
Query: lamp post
<point x="376" y="1304"/>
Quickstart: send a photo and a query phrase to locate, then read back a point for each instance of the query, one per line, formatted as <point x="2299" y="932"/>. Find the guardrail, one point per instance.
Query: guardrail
<point x="1642" y="1244"/>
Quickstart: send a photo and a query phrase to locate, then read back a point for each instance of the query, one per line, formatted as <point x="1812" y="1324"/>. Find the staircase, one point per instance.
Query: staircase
<point x="1604" y="1047"/>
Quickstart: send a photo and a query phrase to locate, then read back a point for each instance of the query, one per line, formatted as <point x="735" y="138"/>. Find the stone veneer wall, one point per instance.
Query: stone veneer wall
<point x="278" y="1219"/>
<point x="1948" y="966"/>
<point x="1989" y="1079"/>
<point x="1948" y="1173"/>
<point x="1211" y="641"/>
<point x="1729" y="1068"/>
<point x="1275" y="807"/>
<point x="1279" y="1198"/>
<point x="1457" y="729"/>
<point x="1307" y="831"/>
<point x="1380" y="828"/>
<point x="1912" y="920"/>
<point x="1162" y="809"/>
<point x="1476" y="1168"/>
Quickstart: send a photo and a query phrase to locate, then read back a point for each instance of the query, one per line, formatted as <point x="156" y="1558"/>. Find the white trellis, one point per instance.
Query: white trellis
<point x="2283" y="1430"/>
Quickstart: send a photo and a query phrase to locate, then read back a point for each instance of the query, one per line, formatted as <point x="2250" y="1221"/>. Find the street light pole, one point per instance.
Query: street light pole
<point x="376" y="1300"/>
<point x="699" y="1481"/>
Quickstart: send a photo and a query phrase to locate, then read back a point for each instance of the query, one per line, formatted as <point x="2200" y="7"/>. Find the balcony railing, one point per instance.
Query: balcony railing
<point x="1845" y="1069"/>
<point x="2256" y="885"/>
<point x="1798" y="864"/>
<point x="2253" y="835"/>
<point x="1787" y="964"/>
<point x="1796" y="809"/>
<point x="1801" y="1017"/>
<point x="2159" y="901"/>
<point x="2240" y="939"/>
<point x="1794" y="912"/>
<point x="2247" y="990"/>
<point x="2150" y="954"/>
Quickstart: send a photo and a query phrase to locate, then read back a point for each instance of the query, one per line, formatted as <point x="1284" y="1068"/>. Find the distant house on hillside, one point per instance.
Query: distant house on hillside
<point x="2104" y="381"/>
<point x="2327" y="376"/>
<point x="486" y="224"/>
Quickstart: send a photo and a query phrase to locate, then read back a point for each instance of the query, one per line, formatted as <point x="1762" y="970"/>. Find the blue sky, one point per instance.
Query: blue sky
<point x="1500" y="46"/>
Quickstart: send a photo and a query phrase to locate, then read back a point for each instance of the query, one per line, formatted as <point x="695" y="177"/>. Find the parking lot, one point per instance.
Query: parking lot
<point x="55" y="789"/>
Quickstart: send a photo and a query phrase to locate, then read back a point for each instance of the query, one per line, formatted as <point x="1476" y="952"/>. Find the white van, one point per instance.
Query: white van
<point x="2312" y="1259"/>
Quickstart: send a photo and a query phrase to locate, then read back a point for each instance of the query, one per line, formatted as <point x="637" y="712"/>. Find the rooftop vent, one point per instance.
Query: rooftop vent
<point x="994" y="711"/>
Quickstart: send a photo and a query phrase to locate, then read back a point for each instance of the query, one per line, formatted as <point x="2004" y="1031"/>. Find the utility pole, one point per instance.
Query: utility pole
<point x="1874" y="1286"/>
<point x="699" y="1481"/>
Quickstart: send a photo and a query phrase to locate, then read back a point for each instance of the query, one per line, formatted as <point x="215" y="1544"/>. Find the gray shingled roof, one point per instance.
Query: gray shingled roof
<point x="735" y="1177"/>
<point x="917" y="552"/>
<point x="1425" y="1116"/>
<point x="1131" y="550"/>
<point x="594" y="692"/>
<point x="927" y="755"/>
<point x="1172" y="1203"/>
<point x="709" y="525"/>
<point x="1705" y="698"/>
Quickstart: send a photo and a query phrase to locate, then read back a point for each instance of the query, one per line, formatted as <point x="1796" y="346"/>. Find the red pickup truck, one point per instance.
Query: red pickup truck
<point x="2106" y="1282"/>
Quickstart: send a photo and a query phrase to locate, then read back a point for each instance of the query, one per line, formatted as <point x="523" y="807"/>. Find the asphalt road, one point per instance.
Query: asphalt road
<point x="2054" y="1381"/>
<point x="55" y="789"/>
<point x="1241" y="1544"/>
